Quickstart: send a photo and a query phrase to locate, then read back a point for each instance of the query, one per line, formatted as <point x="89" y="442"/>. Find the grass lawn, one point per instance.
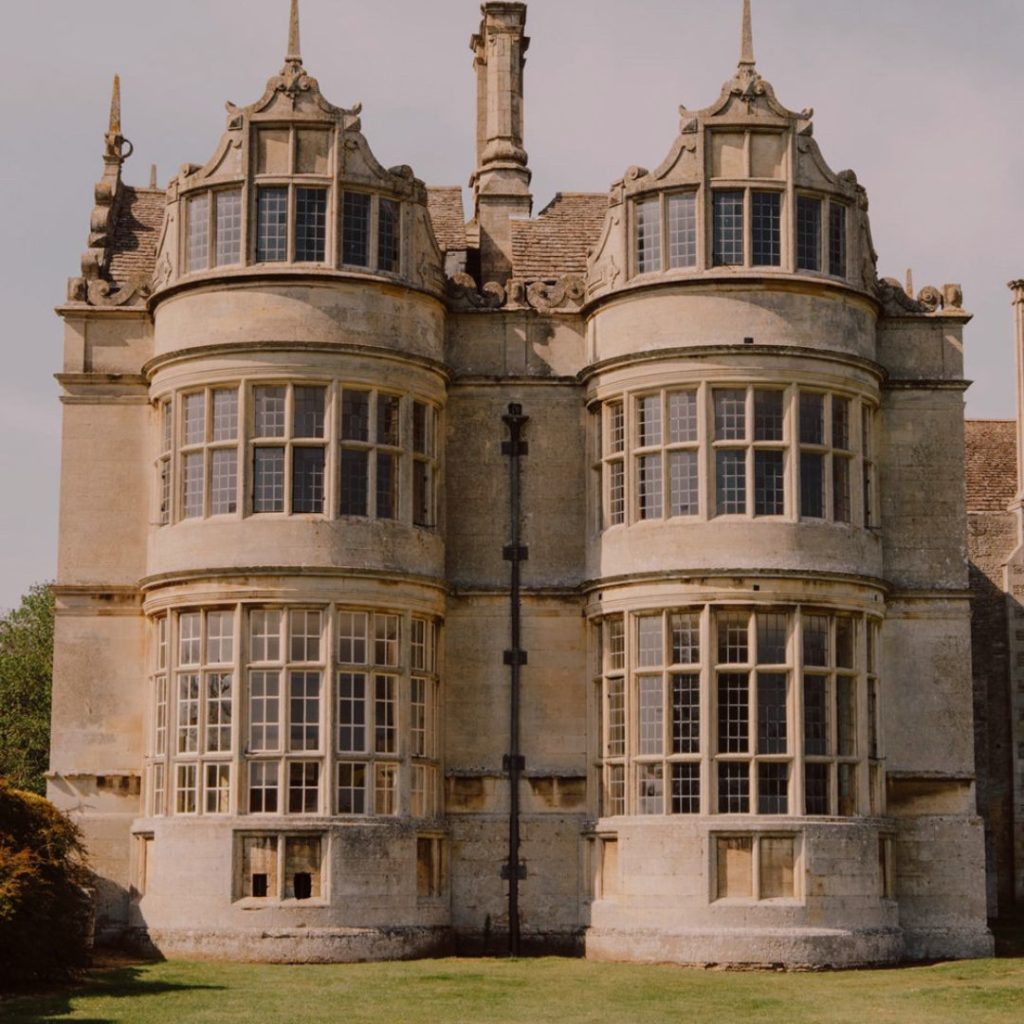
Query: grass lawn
<point x="528" y="991"/>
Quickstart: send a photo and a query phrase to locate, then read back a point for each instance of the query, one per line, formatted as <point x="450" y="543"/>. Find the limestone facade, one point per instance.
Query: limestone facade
<point x="290" y="605"/>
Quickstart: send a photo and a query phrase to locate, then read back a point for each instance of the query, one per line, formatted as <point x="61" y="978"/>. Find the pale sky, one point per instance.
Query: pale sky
<point x="922" y="98"/>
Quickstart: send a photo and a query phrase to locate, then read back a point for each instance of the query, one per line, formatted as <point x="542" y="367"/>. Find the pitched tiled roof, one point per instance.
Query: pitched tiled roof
<point x="136" y="233"/>
<point x="991" y="464"/>
<point x="449" y="220"/>
<point x="556" y="243"/>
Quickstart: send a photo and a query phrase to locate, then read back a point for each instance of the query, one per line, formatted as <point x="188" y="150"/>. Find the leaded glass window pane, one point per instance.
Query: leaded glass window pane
<point x="229" y="227"/>
<point x="816" y="720"/>
<point x="649" y="486"/>
<point x="768" y="416"/>
<point x="195" y="418"/>
<point x="727" y="242"/>
<point x="304" y="710"/>
<point x="648" y="235"/>
<point x="682" y="417"/>
<point x="766" y="233"/>
<point x="733" y="713"/>
<point x="355" y="232"/>
<point x="308" y="480"/>
<point x="731" y="415"/>
<point x="310" y="225"/>
<point x="771" y="638"/>
<point x="268" y="480"/>
<point x="769" y="484"/>
<point x="650" y="642"/>
<point x="840" y="488"/>
<point x="812" y="418"/>
<point x="272" y="225"/>
<point x="387" y="235"/>
<point x="388" y="419"/>
<point x="808" y="233"/>
<point x="682" y="230"/>
<point x="733" y="638"/>
<point x="686" y="714"/>
<point x="837" y="239"/>
<point x="731" y="482"/>
<point x="684" y="485"/>
<point x="733" y="788"/>
<point x="308" y="415"/>
<point x="686" y="788"/>
<point x="812" y="485"/>
<point x="355" y="467"/>
<point x="387" y="486"/>
<point x="355" y="415"/>
<point x="199" y="232"/>
<point x="772" y="789"/>
<point x="841" y="423"/>
<point x="268" y="416"/>
<point x="652" y="711"/>
<point x="225" y="414"/>
<point x="771" y="713"/>
<point x="816" y="786"/>
<point x="192" y="485"/>
<point x="651" y="789"/>
<point x="224" y="481"/>
<point x="648" y="412"/>
<point x="684" y="630"/>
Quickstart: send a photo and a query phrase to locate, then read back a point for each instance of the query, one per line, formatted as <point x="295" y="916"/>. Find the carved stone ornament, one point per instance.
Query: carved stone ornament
<point x="463" y="294"/>
<point x="897" y="302"/>
<point x="567" y="293"/>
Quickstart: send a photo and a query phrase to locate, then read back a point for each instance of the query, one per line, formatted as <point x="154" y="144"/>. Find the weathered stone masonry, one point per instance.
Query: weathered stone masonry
<point x="281" y="705"/>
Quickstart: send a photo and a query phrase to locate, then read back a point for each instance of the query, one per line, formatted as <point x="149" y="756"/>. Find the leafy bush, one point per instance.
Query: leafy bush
<point x="26" y="669"/>
<point x="45" y="907"/>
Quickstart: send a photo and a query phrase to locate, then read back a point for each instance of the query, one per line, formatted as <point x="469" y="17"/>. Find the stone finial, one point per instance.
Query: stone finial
<point x="1017" y="287"/>
<point x="152" y="176"/>
<point x="294" y="55"/>
<point x="747" y="37"/>
<point x="115" y="107"/>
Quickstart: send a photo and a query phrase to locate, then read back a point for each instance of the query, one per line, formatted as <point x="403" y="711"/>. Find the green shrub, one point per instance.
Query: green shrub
<point x="45" y="907"/>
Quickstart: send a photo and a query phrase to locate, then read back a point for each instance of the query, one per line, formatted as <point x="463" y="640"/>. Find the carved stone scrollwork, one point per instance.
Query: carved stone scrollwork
<point x="897" y="302"/>
<point x="566" y="293"/>
<point x="463" y="293"/>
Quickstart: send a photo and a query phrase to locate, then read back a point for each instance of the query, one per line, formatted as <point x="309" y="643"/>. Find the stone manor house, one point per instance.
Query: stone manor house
<point x="573" y="582"/>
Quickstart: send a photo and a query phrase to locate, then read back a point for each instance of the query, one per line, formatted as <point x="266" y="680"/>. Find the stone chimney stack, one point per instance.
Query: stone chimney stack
<point x="1017" y="287"/>
<point x="501" y="181"/>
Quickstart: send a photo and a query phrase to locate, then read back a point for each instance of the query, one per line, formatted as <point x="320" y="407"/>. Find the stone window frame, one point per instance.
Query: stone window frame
<point x="279" y="840"/>
<point x="828" y="206"/>
<point x="403" y="759"/>
<point x="617" y="757"/>
<point x="169" y="463"/>
<point x="621" y="457"/>
<point x="375" y="264"/>
<point x="660" y="205"/>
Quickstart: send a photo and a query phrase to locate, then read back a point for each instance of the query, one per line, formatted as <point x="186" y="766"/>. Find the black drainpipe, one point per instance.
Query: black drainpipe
<point x="515" y="657"/>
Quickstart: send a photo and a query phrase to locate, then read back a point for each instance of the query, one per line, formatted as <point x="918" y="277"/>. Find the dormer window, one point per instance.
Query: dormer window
<point x="370" y="232"/>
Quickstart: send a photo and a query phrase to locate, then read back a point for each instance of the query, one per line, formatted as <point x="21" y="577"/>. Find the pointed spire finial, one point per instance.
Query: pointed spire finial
<point x="294" y="55"/>
<point x="115" y="107"/>
<point x="747" y="41"/>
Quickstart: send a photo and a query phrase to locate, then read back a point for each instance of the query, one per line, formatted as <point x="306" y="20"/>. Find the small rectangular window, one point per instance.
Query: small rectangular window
<point x="352" y="638"/>
<point x="308" y="480"/>
<point x="733" y="638"/>
<point x="727" y="235"/>
<point x="188" y="713"/>
<point x="650" y="640"/>
<point x="272" y="225"/>
<point x="355" y="415"/>
<point x="837" y="239"/>
<point x="649" y="486"/>
<point x="269" y="411"/>
<point x="304" y="635"/>
<point x="766" y="233"/>
<point x="682" y="417"/>
<point x="769" y="421"/>
<point x="682" y="230"/>
<point x="771" y="713"/>
<point x="730" y="415"/>
<point x="264" y="635"/>
<point x="304" y="710"/>
<point x="355" y="237"/>
<point x="355" y="467"/>
<point x="771" y="638"/>
<point x="308" y="413"/>
<point x="310" y="225"/>
<point x="808" y="233"/>
<point x="772" y="788"/>
<point x="684" y="484"/>
<point x="816" y="788"/>
<point x="816" y="720"/>
<point x="385" y="715"/>
<point x="648" y="235"/>
<point x="192" y="480"/>
<point x="264" y="711"/>
<point x="218" y="789"/>
<point x="351" y="712"/>
<point x="388" y="235"/>
<point x="387" y="485"/>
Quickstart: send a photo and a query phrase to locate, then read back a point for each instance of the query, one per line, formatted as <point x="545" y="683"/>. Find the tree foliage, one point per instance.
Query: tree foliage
<point x="44" y="904"/>
<point x="26" y="671"/>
